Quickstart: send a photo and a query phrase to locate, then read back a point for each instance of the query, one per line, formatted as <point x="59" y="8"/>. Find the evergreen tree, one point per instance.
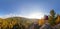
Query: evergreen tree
<point x="52" y="17"/>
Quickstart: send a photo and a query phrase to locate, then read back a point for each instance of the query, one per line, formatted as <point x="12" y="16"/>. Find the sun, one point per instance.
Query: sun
<point x="36" y="15"/>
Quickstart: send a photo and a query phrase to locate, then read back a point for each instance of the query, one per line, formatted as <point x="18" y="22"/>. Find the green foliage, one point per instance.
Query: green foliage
<point x="52" y="13"/>
<point x="52" y="17"/>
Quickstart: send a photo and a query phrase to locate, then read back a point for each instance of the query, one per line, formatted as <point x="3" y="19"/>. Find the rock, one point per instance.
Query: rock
<point x="46" y="26"/>
<point x="57" y="26"/>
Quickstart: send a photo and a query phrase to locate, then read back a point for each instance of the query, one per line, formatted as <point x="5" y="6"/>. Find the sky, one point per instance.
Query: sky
<point x="28" y="8"/>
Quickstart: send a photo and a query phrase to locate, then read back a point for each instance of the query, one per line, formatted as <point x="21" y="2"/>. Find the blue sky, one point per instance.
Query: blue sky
<point x="28" y="7"/>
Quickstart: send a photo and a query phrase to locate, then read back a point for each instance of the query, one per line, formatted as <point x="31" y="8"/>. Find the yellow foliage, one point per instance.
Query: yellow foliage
<point x="41" y="21"/>
<point x="10" y="25"/>
<point x="4" y="23"/>
<point x="58" y="20"/>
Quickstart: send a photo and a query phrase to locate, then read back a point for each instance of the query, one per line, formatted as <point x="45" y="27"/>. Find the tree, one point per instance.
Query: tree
<point x="52" y="17"/>
<point x="52" y="13"/>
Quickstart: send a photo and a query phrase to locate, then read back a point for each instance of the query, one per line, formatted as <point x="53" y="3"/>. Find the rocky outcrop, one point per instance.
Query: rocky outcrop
<point x="47" y="26"/>
<point x="57" y="26"/>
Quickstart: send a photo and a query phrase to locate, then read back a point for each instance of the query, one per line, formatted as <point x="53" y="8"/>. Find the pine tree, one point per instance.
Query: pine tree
<point x="52" y="17"/>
